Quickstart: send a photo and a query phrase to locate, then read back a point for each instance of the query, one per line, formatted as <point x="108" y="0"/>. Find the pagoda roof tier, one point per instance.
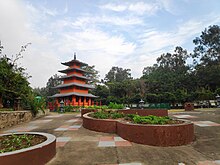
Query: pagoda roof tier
<point x="74" y="75"/>
<point x="69" y="63"/>
<point x="71" y="69"/>
<point x="71" y="94"/>
<point x="75" y="84"/>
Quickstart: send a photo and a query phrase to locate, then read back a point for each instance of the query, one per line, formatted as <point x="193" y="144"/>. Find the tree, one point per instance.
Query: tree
<point x="208" y="45"/>
<point x="92" y="74"/>
<point x="206" y="56"/>
<point x="13" y="80"/>
<point x="169" y="74"/>
<point x="117" y="74"/>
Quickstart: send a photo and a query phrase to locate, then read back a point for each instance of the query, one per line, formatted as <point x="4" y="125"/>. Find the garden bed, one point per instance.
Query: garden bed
<point x="27" y="148"/>
<point x="141" y="112"/>
<point x="166" y="132"/>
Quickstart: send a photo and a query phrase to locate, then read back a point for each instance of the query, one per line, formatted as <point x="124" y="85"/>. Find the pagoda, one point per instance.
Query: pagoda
<point x="74" y="89"/>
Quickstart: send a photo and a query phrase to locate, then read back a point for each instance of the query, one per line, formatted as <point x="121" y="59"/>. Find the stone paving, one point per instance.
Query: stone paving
<point x="79" y="146"/>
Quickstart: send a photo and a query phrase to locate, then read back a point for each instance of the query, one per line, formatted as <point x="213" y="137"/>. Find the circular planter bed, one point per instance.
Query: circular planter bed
<point x="41" y="153"/>
<point x="145" y="112"/>
<point x="157" y="135"/>
<point x="175" y="133"/>
<point x="141" y="112"/>
<point x="99" y="125"/>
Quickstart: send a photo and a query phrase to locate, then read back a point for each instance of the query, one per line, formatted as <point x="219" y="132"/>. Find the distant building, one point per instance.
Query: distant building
<point x="74" y="90"/>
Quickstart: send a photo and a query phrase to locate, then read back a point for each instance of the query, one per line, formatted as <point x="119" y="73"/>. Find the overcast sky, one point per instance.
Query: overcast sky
<point x="129" y="34"/>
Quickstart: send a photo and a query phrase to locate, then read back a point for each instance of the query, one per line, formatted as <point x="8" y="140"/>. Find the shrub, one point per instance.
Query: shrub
<point x="107" y="115"/>
<point x="149" y="119"/>
<point x="115" y="106"/>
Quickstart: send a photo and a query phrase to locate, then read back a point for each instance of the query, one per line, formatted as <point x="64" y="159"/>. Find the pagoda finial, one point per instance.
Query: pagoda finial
<point x="74" y="55"/>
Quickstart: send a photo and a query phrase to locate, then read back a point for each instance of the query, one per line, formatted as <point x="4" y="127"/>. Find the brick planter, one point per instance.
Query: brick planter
<point x="36" y="155"/>
<point x="99" y="125"/>
<point x="156" y="135"/>
<point x="84" y="111"/>
<point x="145" y="112"/>
<point x="141" y="112"/>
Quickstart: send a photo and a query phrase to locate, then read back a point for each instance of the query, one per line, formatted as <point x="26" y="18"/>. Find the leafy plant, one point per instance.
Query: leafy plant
<point x="149" y="119"/>
<point x="115" y="106"/>
<point x="36" y="105"/>
<point x="14" y="142"/>
<point x="100" y="115"/>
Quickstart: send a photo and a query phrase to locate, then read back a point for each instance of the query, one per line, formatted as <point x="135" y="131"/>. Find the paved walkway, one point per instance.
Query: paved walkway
<point x="79" y="146"/>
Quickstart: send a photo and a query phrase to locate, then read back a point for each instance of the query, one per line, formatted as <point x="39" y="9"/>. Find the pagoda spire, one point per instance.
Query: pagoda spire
<point x="74" y="55"/>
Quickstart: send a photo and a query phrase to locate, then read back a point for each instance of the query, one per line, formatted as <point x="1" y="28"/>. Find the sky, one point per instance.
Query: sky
<point x="130" y="34"/>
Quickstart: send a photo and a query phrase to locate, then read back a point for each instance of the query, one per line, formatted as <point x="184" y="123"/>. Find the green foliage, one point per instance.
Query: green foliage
<point x="35" y="104"/>
<point x="133" y="117"/>
<point x="70" y="108"/>
<point x="149" y="119"/>
<point x="107" y="115"/>
<point x="14" y="142"/>
<point x="117" y="74"/>
<point x="100" y="115"/>
<point x="13" y="79"/>
<point x="115" y="106"/>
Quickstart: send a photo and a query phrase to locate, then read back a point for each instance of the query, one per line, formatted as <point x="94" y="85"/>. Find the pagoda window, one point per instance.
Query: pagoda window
<point x="87" y="99"/>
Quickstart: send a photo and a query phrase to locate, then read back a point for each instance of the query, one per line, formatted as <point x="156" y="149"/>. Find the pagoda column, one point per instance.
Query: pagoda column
<point x="73" y="101"/>
<point x="79" y="102"/>
<point x="84" y="102"/>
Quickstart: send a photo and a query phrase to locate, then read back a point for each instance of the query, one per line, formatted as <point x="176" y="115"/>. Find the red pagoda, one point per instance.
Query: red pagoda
<point x="74" y="89"/>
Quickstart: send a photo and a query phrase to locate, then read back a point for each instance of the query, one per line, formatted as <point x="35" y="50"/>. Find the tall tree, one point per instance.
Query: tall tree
<point x="13" y="79"/>
<point x="208" y="45"/>
<point x="206" y="55"/>
<point x="117" y="74"/>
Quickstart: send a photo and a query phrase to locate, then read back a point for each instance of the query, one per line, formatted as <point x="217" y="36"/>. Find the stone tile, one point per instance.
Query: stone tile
<point x="206" y="163"/>
<point x="79" y="115"/>
<point x="61" y="129"/>
<point x="40" y="121"/>
<point x="108" y="164"/>
<point x="106" y="144"/>
<point x="117" y="138"/>
<point x="73" y="129"/>
<point x="217" y="162"/>
<point x="64" y="126"/>
<point x="205" y="123"/>
<point x="63" y="139"/>
<point x="75" y="126"/>
<point x="184" y="116"/>
<point x="54" y="116"/>
<point x="60" y="144"/>
<point x="72" y="121"/>
<point x="123" y="143"/>
<point x="21" y="129"/>
<point x="130" y="164"/>
<point x="107" y="138"/>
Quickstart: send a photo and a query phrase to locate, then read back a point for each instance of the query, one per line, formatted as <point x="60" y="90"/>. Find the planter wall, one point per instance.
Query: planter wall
<point x="107" y="125"/>
<point x="84" y="111"/>
<point x="156" y="135"/>
<point x="146" y="112"/>
<point x="36" y="155"/>
<point x="141" y="112"/>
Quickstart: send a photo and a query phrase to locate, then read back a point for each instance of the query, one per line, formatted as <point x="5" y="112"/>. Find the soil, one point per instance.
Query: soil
<point x="8" y="141"/>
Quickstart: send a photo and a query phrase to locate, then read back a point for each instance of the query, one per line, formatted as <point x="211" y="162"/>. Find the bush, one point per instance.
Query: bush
<point x="149" y="119"/>
<point x="115" y="106"/>
<point x="107" y="115"/>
